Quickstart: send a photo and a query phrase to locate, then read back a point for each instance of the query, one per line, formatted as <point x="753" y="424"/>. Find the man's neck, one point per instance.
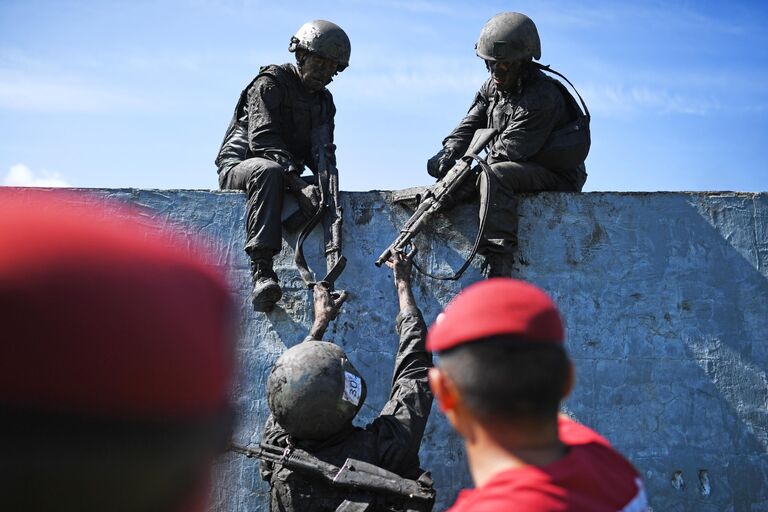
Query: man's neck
<point x="501" y="448"/>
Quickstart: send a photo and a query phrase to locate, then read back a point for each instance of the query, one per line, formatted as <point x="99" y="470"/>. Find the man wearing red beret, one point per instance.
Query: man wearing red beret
<point x="501" y="376"/>
<point x="116" y="359"/>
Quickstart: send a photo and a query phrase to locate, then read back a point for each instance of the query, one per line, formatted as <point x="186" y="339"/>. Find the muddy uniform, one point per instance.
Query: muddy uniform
<point x="525" y="119"/>
<point x="269" y="135"/>
<point x="391" y="441"/>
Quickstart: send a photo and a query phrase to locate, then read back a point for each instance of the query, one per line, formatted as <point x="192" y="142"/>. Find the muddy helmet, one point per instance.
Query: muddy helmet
<point x="507" y="37"/>
<point x="325" y="39"/>
<point x="313" y="390"/>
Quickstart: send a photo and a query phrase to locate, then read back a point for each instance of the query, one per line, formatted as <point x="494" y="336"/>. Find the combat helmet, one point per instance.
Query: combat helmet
<point x="507" y="37"/>
<point x="325" y="39"/>
<point x="313" y="390"/>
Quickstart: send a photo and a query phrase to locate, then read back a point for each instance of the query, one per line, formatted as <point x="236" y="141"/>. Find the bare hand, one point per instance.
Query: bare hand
<point x="401" y="265"/>
<point x="327" y="302"/>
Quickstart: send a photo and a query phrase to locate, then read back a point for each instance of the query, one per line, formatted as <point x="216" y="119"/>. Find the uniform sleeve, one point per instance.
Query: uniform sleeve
<point x="476" y="118"/>
<point x="529" y="126"/>
<point x="264" y="123"/>
<point x="404" y="417"/>
<point x="275" y="435"/>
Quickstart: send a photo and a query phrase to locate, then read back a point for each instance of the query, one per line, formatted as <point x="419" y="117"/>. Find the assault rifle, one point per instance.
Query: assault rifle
<point x="354" y="475"/>
<point x="329" y="212"/>
<point x="436" y="197"/>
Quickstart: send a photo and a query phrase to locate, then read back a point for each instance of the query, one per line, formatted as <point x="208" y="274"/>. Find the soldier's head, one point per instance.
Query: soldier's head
<point x="507" y="43"/>
<point x="501" y="361"/>
<point x="322" y="50"/>
<point x="116" y="358"/>
<point x="314" y="390"/>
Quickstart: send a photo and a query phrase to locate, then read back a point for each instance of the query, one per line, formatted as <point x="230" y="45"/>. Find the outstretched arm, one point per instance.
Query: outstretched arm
<point x="404" y="417"/>
<point x="326" y="306"/>
<point x="401" y="272"/>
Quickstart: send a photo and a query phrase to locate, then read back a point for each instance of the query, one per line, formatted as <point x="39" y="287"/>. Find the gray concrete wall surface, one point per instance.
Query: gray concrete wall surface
<point x="664" y="296"/>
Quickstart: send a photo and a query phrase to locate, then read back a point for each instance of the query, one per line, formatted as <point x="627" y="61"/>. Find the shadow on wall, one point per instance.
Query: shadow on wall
<point x="665" y="297"/>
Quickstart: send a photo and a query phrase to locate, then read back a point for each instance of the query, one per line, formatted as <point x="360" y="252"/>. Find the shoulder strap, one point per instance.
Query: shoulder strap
<point x="550" y="70"/>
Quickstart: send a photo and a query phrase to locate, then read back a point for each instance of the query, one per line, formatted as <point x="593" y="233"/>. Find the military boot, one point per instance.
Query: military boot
<point x="497" y="264"/>
<point x="266" y="290"/>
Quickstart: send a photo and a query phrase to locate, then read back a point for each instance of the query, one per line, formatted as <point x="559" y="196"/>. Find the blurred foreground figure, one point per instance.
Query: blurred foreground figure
<point x="314" y="392"/>
<point x="116" y="359"/>
<point x="501" y="376"/>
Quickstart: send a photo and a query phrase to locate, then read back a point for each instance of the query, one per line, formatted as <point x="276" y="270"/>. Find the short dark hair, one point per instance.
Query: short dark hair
<point x="508" y="378"/>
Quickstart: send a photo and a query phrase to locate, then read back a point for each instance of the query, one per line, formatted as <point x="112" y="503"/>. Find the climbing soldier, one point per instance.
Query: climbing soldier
<point x="270" y="141"/>
<point x="314" y="392"/>
<point x="543" y="136"/>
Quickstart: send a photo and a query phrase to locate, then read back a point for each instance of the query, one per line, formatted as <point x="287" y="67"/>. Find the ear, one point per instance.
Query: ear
<point x="570" y="380"/>
<point x="443" y="389"/>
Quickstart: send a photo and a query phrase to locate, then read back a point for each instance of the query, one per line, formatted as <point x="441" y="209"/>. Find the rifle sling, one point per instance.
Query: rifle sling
<point x="548" y="69"/>
<point x="323" y="181"/>
<point x="486" y="192"/>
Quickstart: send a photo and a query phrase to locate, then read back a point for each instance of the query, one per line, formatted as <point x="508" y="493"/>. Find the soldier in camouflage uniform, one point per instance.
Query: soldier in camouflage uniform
<point x="314" y="392"/>
<point x="532" y="113"/>
<point x="267" y="144"/>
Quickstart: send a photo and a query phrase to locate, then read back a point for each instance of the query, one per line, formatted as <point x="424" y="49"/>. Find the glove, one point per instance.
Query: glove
<point x="439" y="165"/>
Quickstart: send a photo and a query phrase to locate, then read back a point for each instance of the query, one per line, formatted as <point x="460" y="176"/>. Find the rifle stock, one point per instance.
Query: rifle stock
<point x="434" y="197"/>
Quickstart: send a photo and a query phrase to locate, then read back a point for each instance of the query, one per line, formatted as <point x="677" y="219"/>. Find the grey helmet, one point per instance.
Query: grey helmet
<point x="325" y="39"/>
<point x="313" y="390"/>
<point x="507" y="37"/>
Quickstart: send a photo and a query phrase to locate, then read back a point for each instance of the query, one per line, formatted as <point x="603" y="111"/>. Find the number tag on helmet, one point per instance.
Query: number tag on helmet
<point x="353" y="388"/>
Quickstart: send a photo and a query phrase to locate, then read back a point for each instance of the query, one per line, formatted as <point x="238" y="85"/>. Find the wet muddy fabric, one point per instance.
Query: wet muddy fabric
<point x="525" y="119"/>
<point x="270" y="132"/>
<point x="391" y="441"/>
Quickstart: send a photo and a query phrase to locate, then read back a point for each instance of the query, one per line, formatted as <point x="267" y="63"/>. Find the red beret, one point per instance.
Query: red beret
<point x="105" y="313"/>
<point x="495" y="307"/>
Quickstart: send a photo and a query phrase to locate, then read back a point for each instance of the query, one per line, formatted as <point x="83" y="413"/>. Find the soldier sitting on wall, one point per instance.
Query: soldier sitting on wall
<point x="501" y="376"/>
<point x="314" y="392"/>
<point x="542" y="141"/>
<point x="268" y="143"/>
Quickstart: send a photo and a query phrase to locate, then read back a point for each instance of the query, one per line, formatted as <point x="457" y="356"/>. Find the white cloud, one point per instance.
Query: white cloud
<point x="20" y="175"/>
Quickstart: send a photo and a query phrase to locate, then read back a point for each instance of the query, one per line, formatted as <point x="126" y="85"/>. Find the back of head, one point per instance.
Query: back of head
<point x="117" y="358"/>
<point x="314" y="391"/>
<point x="501" y="342"/>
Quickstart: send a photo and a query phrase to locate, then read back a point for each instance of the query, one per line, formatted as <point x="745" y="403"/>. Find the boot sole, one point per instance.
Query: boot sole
<point x="266" y="298"/>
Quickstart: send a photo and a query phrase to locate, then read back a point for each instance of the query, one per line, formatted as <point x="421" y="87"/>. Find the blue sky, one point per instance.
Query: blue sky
<point x="98" y="93"/>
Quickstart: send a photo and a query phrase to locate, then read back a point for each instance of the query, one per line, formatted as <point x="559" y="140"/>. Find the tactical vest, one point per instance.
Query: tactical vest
<point x="299" y="111"/>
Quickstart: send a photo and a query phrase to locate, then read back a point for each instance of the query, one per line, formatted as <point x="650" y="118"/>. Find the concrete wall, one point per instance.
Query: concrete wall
<point x="665" y="297"/>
